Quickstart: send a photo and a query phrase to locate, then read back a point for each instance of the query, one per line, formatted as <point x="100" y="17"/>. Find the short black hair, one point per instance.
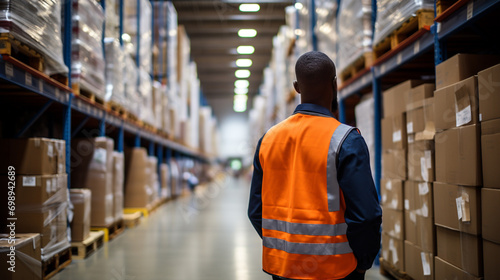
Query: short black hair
<point x="314" y="68"/>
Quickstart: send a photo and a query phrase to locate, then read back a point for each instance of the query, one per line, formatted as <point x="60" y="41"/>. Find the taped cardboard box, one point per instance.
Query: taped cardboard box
<point x="446" y="271"/>
<point x="394" y="164"/>
<point x="396" y="98"/>
<point x="394" y="132"/>
<point x="458" y="156"/>
<point x="456" y="105"/>
<point x="138" y="192"/>
<point x="489" y="93"/>
<point x="37" y="190"/>
<point x="462" y="66"/>
<point x="393" y="223"/>
<point x="418" y="94"/>
<point x="491" y="255"/>
<point x="457" y="207"/>
<point x="460" y="249"/>
<point x="80" y="224"/>
<point x="392" y="193"/>
<point x="393" y="251"/>
<point x="419" y="264"/>
<point x="419" y="213"/>
<point x="28" y="258"/>
<point x="490" y="208"/>
<point x="421" y="161"/>
<point x="33" y="156"/>
<point x="490" y="148"/>
<point x="118" y="184"/>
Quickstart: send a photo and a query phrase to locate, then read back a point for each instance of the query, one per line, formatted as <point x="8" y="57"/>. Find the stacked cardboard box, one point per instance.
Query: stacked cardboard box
<point x="28" y="259"/>
<point x="92" y="168"/>
<point x="457" y="192"/>
<point x="138" y="189"/>
<point x="154" y="180"/>
<point x="489" y="116"/>
<point x="118" y="184"/>
<point x="41" y="189"/>
<point x="80" y="224"/>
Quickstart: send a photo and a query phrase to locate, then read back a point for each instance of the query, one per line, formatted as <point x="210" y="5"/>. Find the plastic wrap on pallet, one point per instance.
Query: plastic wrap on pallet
<point x="115" y="88"/>
<point x="131" y="76"/>
<point x="112" y="24"/>
<point x="36" y="23"/>
<point x="355" y="31"/>
<point x="160" y="39"/>
<point x="159" y="91"/>
<point x="304" y="36"/>
<point x="172" y="45"/>
<point x="145" y="90"/>
<point x="365" y="113"/>
<point x="325" y="29"/>
<point x="87" y="63"/>
<point x="145" y="30"/>
<point x="391" y="14"/>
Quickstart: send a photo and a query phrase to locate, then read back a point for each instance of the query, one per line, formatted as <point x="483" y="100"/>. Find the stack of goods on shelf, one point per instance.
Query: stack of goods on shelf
<point x="80" y="224"/>
<point x="154" y="181"/>
<point x="145" y="90"/>
<point x="41" y="32"/>
<point x="457" y="191"/>
<point x="304" y="40"/>
<point x="138" y="189"/>
<point x="137" y="24"/>
<point x="92" y="168"/>
<point x="365" y="115"/>
<point x="326" y="27"/>
<point x="184" y="68"/>
<point x="160" y="43"/>
<point x="176" y="178"/>
<point x="131" y="79"/>
<point x="118" y="185"/>
<point x="115" y="87"/>
<point x="172" y="49"/>
<point x="207" y="129"/>
<point x="159" y="95"/>
<point x="281" y="44"/>
<point x="166" y="191"/>
<point x="355" y="37"/>
<point x="41" y="190"/>
<point x="394" y="172"/>
<point x="87" y="58"/>
<point x="27" y="262"/>
<point x="112" y="28"/>
<point x="257" y="118"/>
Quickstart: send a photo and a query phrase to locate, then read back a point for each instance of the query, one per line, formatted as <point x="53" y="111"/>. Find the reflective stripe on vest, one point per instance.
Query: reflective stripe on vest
<point x="320" y="249"/>
<point x="305" y="229"/>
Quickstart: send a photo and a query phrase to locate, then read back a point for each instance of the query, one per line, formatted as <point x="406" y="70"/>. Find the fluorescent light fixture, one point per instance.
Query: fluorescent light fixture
<point x="239" y="108"/>
<point x="249" y="8"/>
<point x="245" y="49"/>
<point x="242" y="90"/>
<point x="247" y="33"/>
<point x="242" y="74"/>
<point x="240" y="99"/>
<point x="244" y="62"/>
<point x="298" y="5"/>
<point x="240" y="103"/>
<point x="241" y="84"/>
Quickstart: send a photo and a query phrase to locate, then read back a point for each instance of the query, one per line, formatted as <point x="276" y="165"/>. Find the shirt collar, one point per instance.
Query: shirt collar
<point x="308" y="107"/>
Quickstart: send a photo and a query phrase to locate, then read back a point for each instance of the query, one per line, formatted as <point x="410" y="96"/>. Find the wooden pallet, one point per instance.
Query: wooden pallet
<point x="422" y="19"/>
<point x="389" y="270"/>
<point x="132" y="220"/>
<point x="56" y="263"/>
<point x="89" y="96"/>
<point x="111" y="231"/>
<point x="360" y="64"/>
<point x="117" y="108"/>
<point x="144" y="210"/>
<point x="81" y="250"/>
<point x="443" y="5"/>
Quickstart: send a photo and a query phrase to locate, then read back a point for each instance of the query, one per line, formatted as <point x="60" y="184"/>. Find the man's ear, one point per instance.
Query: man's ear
<point x="296" y="86"/>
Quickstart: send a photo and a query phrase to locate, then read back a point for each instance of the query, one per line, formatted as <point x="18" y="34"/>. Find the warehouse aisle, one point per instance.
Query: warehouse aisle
<point x="209" y="238"/>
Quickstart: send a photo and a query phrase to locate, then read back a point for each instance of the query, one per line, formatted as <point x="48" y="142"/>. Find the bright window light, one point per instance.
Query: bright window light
<point x="247" y="33"/>
<point x="298" y="6"/>
<point x="243" y="62"/>
<point x="241" y="84"/>
<point x="242" y="74"/>
<point x="242" y="90"/>
<point x="249" y="8"/>
<point x="245" y="49"/>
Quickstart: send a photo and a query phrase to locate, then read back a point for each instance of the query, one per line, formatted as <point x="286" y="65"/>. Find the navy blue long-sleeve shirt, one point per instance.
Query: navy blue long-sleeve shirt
<point x="363" y="214"/>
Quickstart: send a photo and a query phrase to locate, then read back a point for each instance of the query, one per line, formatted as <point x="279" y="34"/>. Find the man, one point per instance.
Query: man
<point x="312" y="199"/>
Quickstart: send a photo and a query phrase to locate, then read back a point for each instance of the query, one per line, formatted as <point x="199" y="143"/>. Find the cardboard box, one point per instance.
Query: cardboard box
<point x="393" y="251"/>
<point x="458" y="207"/>
<point x="446" y="271"/>
<point x="80" y="225"/>
<point x="394" y="132"/>
<point x="458" y="156"/>
<point x="396" y="98"/>
<point x="418" y="94"/>
<point x="421" y="161"/>
<point x="490" y="208"/>
<point x="415" y="120"/>
<point x="36" y="190"/>
<point x="118" y="185"/>
<point x="165" y="181"/>
<point x="28" y="258"/>
<point x="137" y="189"/>
<point x="462" y="66"/>
<point x="393" y="223"/>
<point x="419" y="224"/>
<point x="392" y="193"/>
<point x="33" y="156"/>
<point x="394" y="164"/>
<point x="460" y="249"/>
<point x="489" y="93"/>
<point x="419" y="264"/>
<point x="490" y="148"/>
<point x="491" y="256"/>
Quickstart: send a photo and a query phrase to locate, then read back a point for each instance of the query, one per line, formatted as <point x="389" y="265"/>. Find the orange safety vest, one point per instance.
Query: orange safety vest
<point x="303" y="226"/>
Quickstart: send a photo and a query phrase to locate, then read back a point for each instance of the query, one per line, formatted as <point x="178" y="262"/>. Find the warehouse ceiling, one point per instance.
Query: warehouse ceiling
<point x="212" y="27"/>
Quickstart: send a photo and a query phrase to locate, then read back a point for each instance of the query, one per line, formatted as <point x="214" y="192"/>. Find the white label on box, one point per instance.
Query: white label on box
<point x="459" y="207"/>
<point x="409" y="127"/>
<point x="385" y="253"/>
<point x="28" y="79"/>
<point x="425" y="264"/>
<point x="29" y="181"/>
<point x="423" y="170"/>
<point x="384" y="198"/>
<point x="465" y="207"/>
<point x="9" y="70"/>
<point x="423" y="188"/>
<point x="48" y="187"/>
<point x="396" y="136"/>
<point x="407" y="204"/>
<point x="388" y="185"/>
<point x="425" y="210"/>
<point x="397" y="228"/>
<point x="413" y="217"/>
<point x="50" y="150"/>
<point x="54" y="184"/>
<point x="416" y="47"/>
<point x="428" y="159"/>
<point x="480" y="117"/>
<point x="464" y="116"/>
<point x="100" y="155"/>
<point x="470" y="9"/>
<point x="394" y="203"/>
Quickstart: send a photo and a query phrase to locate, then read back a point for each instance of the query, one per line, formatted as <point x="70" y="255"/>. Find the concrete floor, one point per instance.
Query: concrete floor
<point x="207" y="238"/>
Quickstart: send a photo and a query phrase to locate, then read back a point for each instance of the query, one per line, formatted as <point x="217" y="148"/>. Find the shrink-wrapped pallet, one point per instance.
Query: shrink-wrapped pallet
<point x="325" y="29"/>
<point x="131" y="76"/>
<point x="137" y="24"/>
<point x="115" y="87"/>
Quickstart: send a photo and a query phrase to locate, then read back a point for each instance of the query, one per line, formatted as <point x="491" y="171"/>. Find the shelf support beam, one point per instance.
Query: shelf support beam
<point x="67" y="137"/>
<point x="34" y="118"/>
<point x="80" y="126"/>
<point x="121" y="136"/>
<point x="377" y="96"/>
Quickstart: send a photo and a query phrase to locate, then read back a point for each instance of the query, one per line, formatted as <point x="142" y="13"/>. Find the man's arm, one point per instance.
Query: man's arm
<point x="363" y="214"/>
<point x="255" y="204"/>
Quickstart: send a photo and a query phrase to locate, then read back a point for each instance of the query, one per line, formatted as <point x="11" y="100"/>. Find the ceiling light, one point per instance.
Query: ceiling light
<point x="240" y="98"/>
<point x="249" y="7"/>
<point x="239" y="108"/>
<point x="244" y="62"/>
<point x="242" y="90"/>
<point x="245" y="49"/>
<point x="247" y="33"/>
<point x="240" y="103"/>
<point x="241" y="74"/>
<point x="241" y="84"/>
<point x="298" y="6"/>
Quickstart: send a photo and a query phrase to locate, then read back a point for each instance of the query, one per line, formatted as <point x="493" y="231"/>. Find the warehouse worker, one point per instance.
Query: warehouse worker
<point x="312" y="199"/>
